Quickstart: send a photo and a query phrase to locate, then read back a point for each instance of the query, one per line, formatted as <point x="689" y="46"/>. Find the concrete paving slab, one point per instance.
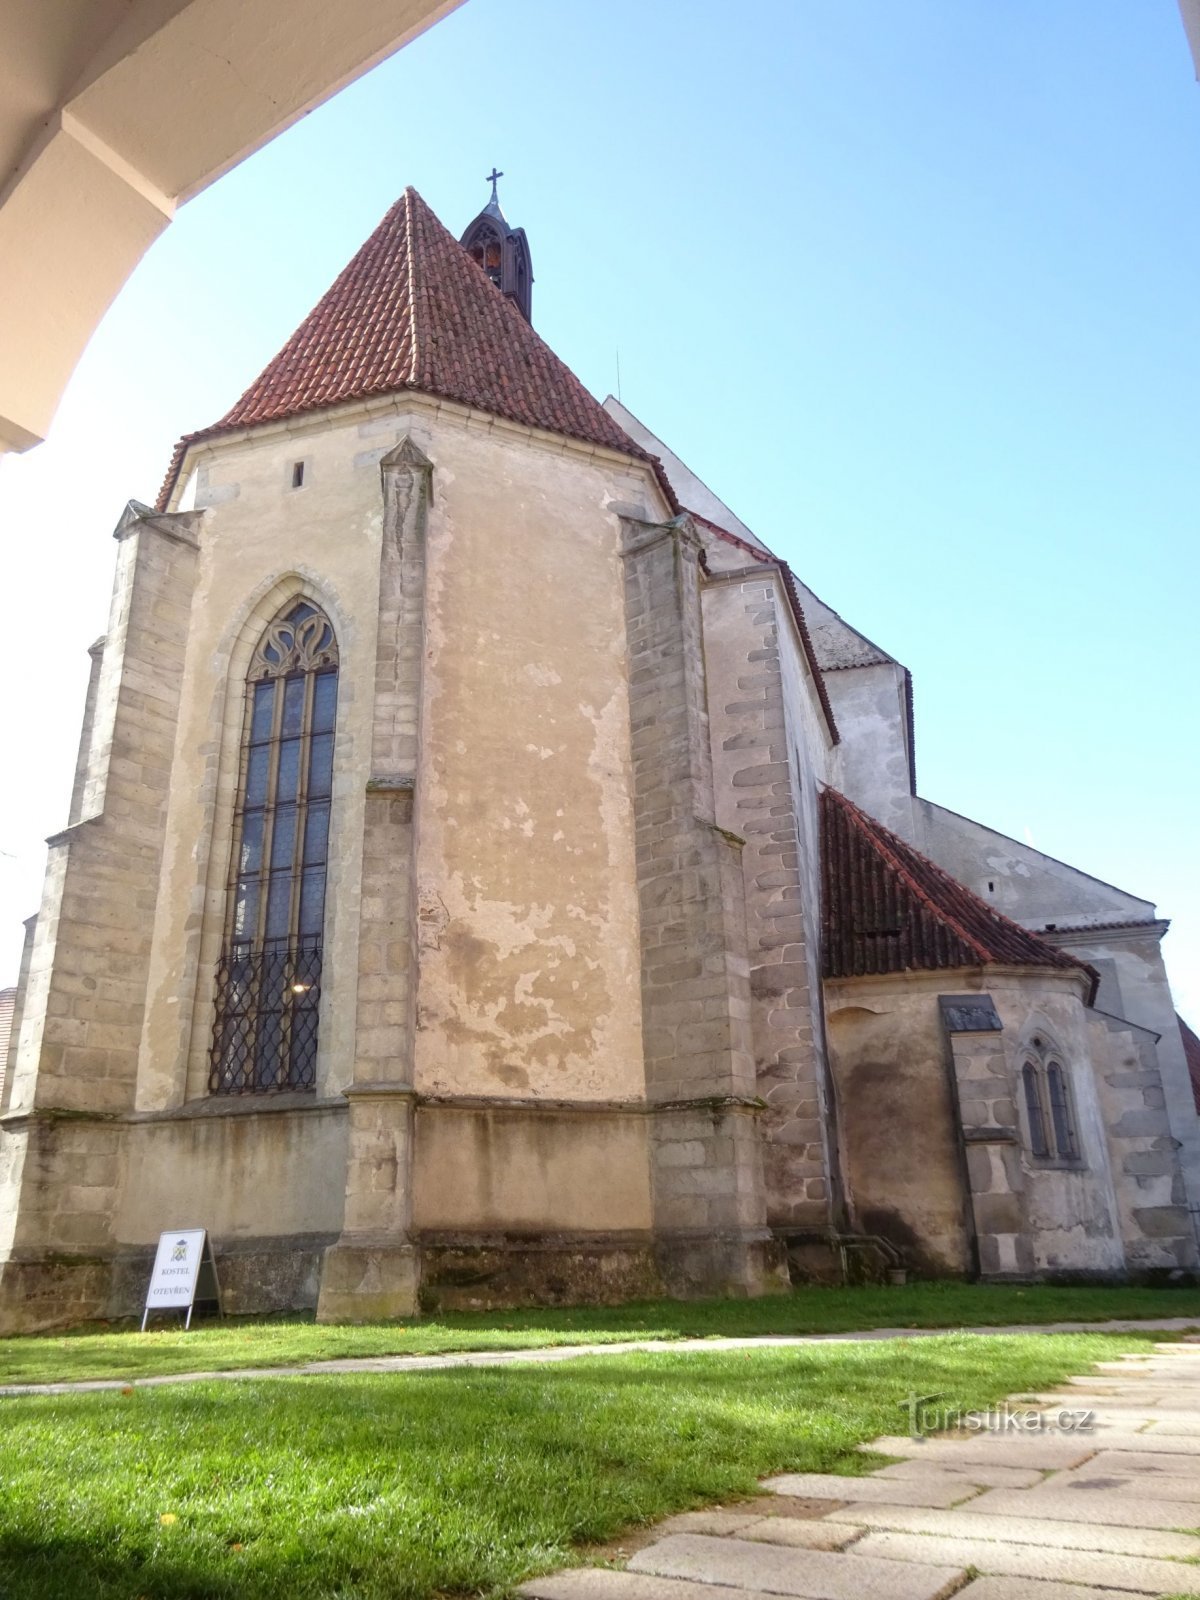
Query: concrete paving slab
<point x="1145" y="1462"/>
<point x="1141" y="1575"/>
<point x="812" y="1574"/>
<point x="1175" y="1444"/>
<point x="988" y="1477"/>
<point x="1075" y="1398"/>
<point x="594" y="1583"/>
<point x="1059" y="1535"/>
<point x="991" y="1449"/>
<point x="1110" y="1508"/>
<point x="1093" y="1479"/>
<point x="1035" y="1589"/>
<point x="1135" y="1364"/>
<point x="716" y="1523"/>
<point x="1135" y="1380"/>
<point x="926" y="1491"/>
<point x="801" y="1533"/>
<point x="1174" y="1421"/>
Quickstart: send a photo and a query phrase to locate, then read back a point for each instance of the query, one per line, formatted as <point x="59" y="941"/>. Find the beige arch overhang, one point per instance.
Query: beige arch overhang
<point x="113" y="113"/>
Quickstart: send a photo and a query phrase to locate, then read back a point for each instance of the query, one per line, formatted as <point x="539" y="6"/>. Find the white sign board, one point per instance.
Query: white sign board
<point x="176" y="1273"/>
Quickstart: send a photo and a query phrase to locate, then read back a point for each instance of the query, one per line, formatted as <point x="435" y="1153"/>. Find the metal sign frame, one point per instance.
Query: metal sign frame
<point x="184" y="1271"/>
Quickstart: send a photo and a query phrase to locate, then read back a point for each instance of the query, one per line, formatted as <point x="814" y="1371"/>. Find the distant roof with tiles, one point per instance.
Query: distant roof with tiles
<point x="1191" y="1049"/>
<point x="887" y="908"/>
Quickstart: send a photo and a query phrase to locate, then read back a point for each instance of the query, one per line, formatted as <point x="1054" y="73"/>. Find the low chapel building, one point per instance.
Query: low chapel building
<point x="492" y="876"/>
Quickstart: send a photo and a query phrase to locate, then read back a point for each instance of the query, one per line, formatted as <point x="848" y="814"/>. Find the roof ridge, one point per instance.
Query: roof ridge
<point x="411" y="264"/>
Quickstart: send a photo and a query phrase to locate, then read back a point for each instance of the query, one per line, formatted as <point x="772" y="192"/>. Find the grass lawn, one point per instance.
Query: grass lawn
<point x="109" y="1352"/>
<point x="411" y="1486"/>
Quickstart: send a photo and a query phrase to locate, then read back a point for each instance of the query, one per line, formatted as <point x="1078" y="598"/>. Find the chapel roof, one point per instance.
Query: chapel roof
<point x="887" y="908"/>
<point x="413" y="311"/>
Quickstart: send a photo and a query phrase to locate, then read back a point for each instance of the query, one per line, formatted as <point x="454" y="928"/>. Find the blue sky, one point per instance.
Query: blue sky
<point x="912" y="285"/>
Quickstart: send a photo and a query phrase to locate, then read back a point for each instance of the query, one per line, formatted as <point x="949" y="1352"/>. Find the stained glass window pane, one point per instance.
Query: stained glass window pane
<point x="279" y="906"/>
<point x="288" y="778"/>
<point x="262" y="708"/>
<point x="293" y="707"/>
<point x="245" y="909"/>
<point x="312" y="903"/>
<point x="252" y="841"/>
<point x="316" y="834"/>
<point x="257" y="769"/>
<point x="324" y="701"/>
<point x="283" y="839"/>
<point x="320" y="768"/>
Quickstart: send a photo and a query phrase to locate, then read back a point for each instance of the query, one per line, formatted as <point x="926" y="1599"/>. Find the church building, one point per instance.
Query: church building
<point x="493" y="877"/>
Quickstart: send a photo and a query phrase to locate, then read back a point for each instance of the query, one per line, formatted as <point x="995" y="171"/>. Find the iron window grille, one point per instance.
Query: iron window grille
<point x="268" y="981"/>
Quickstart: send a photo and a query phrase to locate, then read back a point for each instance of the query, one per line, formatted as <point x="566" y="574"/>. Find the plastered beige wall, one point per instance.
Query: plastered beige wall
<point x="896" y="1119"/>
<point x="527" y="913"/>
<point x="486" y="1169"/>
<point x="241" y="1176"/>
<point x="529" y="961"/>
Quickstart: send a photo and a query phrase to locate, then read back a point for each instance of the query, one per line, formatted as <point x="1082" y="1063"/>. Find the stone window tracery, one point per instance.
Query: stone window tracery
<point x="269" y="975"/>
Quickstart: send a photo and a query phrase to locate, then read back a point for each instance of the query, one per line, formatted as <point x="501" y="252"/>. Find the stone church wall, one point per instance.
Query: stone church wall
<point x="770" y="745"/>
<point x="872" y="763"/>
<point x="83" y="996"/>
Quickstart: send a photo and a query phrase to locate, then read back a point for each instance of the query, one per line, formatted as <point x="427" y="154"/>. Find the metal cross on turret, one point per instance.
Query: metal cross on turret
<point x="501" y="251"/>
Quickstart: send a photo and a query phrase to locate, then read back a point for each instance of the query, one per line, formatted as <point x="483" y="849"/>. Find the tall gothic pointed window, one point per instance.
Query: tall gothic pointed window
<point x="269" y="975"/>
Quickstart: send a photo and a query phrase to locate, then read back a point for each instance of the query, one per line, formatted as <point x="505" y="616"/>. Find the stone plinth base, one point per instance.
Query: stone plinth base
<point x="368" y="1282"/>
<point x="464" y="1273"/>
<point x="53" y="1291"/>
<point x="257" y="1276"/>
<point x="741" y="1264"/>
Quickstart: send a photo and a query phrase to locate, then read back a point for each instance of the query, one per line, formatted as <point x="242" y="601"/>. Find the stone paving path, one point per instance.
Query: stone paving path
<point x="571" y="1352"/>
<point x="1056" y="1513"/>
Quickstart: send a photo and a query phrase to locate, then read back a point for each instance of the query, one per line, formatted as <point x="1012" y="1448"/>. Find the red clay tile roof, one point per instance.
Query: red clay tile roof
<point x="413" y="311"/>
<point x="887" y="908"/>
<point x="1191" y="1049"/>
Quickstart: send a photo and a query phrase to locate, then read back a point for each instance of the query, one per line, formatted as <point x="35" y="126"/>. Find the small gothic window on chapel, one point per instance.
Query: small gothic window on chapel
<point x="1049" y="1107"/>
<point x="269" y="975"/>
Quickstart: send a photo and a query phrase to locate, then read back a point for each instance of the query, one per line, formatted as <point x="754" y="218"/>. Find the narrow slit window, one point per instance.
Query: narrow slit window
<point x="1034" y="1110"/>
<point x="1066" y="1142"/>
<point x="269" y="975"/>
<point x="298" y="475"/>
